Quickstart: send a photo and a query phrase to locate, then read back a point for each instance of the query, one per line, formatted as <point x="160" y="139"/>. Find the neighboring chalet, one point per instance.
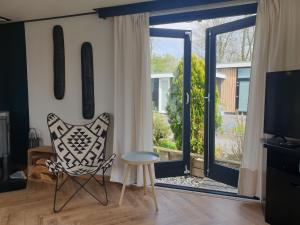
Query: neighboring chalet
<point x="234" y="87"/>
<point x="232" y="83"/>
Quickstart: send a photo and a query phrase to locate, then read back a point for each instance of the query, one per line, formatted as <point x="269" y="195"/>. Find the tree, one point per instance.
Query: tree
<point x="175" y="105"/>
<point x="232" y="47"/>
<point x="163" y="64"/>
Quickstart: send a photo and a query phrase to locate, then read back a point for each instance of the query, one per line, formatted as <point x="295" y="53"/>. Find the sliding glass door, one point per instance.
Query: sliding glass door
<point x="171" y="69"/>
<point x="227" y="89"/>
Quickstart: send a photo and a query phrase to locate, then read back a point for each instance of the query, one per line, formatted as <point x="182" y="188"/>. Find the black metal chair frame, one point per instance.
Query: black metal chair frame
<point x="81" y="186"/>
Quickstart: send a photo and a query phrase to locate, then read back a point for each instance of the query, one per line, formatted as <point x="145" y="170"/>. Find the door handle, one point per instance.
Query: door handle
<point x="207" y="97"/>
<point x="187" y="98"/>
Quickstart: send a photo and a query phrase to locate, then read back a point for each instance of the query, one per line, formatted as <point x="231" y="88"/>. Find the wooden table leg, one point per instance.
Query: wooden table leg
<point x="152" y="185"/>
<point x="126" y="174"/>
<point x="144" y="176"/>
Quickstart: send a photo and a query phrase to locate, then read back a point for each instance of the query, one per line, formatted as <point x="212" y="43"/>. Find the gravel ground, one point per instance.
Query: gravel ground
<point x="197" y="182"/>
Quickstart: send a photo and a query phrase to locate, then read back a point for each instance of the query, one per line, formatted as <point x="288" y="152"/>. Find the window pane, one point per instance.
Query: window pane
<point x="167" y="97"/>
<point x="244" y="72"/>
<point x="232" y="100"/>
<point x="243" y="96"/>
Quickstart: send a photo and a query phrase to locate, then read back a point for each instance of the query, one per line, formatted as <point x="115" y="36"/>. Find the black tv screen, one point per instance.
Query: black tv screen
<point x="282" y="104"/>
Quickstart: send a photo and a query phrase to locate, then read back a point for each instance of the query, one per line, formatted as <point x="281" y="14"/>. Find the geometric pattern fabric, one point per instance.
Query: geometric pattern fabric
<point x="80" y="149"/>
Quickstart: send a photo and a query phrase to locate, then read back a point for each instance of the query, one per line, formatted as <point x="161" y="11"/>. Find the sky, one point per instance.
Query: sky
<point x="231" y="41"/>
<point x="172" y="46"/>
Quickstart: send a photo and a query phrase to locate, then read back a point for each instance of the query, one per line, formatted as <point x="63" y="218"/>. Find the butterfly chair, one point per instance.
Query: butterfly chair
<point x="80" y="150"/>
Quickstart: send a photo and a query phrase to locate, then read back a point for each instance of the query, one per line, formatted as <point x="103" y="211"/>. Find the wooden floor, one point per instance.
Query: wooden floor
<point x="34" y="207"/>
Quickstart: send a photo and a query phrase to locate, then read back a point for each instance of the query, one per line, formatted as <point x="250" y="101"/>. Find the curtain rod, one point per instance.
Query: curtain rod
<point x="156" y="6"/>
<point x="204" y="7"/>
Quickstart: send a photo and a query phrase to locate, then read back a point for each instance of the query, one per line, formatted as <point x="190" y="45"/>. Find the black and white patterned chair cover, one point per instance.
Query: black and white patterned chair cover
<point x="80" y="149"/>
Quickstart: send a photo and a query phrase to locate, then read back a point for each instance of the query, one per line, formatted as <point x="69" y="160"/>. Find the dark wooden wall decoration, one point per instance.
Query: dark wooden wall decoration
<point x="87" y="76"/>
<point x="59" y="62"/>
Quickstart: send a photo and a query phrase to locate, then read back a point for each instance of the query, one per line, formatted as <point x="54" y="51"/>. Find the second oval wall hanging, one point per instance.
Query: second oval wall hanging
<point x="87" y="76"/>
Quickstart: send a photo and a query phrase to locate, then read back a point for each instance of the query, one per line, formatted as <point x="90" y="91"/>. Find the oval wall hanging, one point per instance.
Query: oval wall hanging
<point x="59" y="62"/>
<point x="87" y="76"/>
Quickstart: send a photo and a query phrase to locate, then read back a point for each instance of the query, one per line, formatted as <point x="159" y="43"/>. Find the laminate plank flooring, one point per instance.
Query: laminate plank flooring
<point x="33" y="206"/>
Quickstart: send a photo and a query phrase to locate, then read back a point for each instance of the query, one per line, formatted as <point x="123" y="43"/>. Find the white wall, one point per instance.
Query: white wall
<point x="39" y="45"/>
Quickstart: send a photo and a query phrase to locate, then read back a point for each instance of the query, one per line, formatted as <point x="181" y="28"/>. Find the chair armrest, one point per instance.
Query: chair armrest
<point x="54" y="167"/>
<point x="108" y="163"/>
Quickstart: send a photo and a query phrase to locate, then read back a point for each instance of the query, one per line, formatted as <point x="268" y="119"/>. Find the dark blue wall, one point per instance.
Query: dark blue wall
<point x="13" y="87"/>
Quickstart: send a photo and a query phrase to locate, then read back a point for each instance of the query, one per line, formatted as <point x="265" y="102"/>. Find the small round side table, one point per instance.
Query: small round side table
<point x="140" y="159"/>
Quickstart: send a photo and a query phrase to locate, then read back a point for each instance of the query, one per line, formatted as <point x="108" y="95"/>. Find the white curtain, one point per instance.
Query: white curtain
<point x="276" y="48"/>
<point x="132" y="100"/>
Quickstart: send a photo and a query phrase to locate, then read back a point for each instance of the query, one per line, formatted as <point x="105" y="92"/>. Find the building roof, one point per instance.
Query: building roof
<point x="162" y="75"/>
<point x="170" y="75"/>
<point x="234" y="65"/>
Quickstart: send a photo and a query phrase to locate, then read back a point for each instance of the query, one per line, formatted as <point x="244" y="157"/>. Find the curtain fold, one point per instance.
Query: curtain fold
<point x="276" y="48"/>
<point x="132" y="94"/>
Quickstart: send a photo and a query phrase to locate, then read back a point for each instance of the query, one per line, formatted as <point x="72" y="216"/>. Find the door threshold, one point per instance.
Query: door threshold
<point x="203" y="190"/>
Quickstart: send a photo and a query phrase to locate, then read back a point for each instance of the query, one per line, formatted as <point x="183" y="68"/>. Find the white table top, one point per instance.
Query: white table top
<point x="140" y="157"/>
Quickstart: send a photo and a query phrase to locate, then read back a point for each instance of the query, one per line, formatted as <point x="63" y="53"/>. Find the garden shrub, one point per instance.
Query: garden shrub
<point x="197" y="105"/>
<point x="161" y="128"/>
<point x="167" y="143"/>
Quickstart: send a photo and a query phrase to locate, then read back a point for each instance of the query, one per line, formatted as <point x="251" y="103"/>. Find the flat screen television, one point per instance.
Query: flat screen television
<point x="282" y="104"/>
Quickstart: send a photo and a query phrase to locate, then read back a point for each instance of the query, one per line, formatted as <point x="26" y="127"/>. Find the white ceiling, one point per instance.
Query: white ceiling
<point x="18" y="10"/>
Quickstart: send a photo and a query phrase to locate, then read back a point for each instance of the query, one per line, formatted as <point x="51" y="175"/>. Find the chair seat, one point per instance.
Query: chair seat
<point x="56" y="167"/>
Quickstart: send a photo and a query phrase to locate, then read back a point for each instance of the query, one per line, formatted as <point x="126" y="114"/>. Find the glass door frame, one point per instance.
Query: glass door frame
<point x="179" y="167"/>
<point x="213" y="170"/>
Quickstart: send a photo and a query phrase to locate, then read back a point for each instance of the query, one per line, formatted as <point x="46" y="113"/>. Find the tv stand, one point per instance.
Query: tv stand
<point x="283" y="142"/>
<point x="283" y="185"/>
<point x="290" y="144"/>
